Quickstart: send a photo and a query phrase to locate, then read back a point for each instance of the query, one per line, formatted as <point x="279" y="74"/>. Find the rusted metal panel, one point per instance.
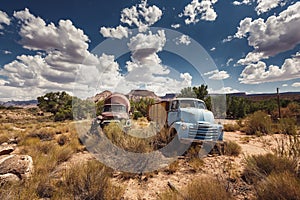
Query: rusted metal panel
<point x="158" y="112"/>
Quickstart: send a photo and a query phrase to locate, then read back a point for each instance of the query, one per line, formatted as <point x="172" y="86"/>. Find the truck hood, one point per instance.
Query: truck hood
<point x="115" y="115"/>
<point x="193" y="115"/>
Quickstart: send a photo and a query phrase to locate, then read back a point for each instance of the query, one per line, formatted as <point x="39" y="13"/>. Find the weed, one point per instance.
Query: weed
<point x="44" y="134"/>
<point x="90" y="181"/>
<point x="287" y="126"/>
<point x="259" y="167"/>
<point x="196" y="164"/>
<point x="232" y="148"/>
<point x="231" y="127"/>
<point x="172" y="168"/>
<point x="202" y="188"/>
<point x="279" y="186"/>
<point x="257" y="123"/>
<point x="127" y="142"/>
<point x="62" y="140"/>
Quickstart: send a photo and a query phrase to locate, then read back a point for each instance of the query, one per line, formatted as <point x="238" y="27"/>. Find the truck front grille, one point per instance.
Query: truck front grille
<point x="204" y="131"/>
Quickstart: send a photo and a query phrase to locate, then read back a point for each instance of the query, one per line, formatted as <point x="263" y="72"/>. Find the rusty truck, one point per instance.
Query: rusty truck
<point x="188" y="118"/>
<point x="116" y="109"/>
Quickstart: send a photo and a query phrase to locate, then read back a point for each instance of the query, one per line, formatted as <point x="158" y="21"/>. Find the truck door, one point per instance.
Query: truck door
<point x="173" y="114"/>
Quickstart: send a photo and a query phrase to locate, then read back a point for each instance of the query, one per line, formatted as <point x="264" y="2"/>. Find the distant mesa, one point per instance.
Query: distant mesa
<point x="100" y="97"/>
<point x="29" y="103"/>
<point x="136" y="95"/>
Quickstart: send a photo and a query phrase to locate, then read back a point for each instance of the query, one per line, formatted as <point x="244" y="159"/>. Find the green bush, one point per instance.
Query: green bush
<point x="258" y="123"/>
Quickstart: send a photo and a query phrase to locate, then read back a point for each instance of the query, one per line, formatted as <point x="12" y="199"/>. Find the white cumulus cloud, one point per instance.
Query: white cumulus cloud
<point x="119" y="32"/>
<point x="223" y="90"/>
<point x="297" y="84"/>
<point x="266" y="5"/>
<point x="262" y="6"/>
<point x="141" y="15"/>
<point x="4" y="19"/>
<point x="275" y="35"/>
<point x="184" y="39"/>
<point x="217" y="75"/>
<point x="203" y="8"/>
<point x="145" y="70"/>
<point x="257" y="73"/>
<point x="175" y="26"/>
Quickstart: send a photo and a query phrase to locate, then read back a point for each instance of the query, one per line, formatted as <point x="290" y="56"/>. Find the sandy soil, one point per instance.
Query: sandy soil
<point x="224" y="168"/>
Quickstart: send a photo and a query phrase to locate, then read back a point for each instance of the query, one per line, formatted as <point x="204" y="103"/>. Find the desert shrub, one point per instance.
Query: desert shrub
<point x="137" y="114"/>
<point x="231" y="127"/>
<point x="62" y="140"/>
<point x="90" y="181"/>
<point x="193" y="151"/>
<point x="287" y="126"/>
<point x="196" y="164"/>
<point x="4" y="138"/>
<point x="206" y="188"/>
<point x="279" y="186"/>
<point x="257" y="123"/>
<point x="162" y="138"/>
<point x="232" y="148"/>
<point x="115" y="134"/>
<point x="287" y="146"/>
<point x="44" y="189"/>
<point x="63" y="153"/>
<point x="202" y="188"/>
<point x="44" y="133"/>
<point x="261" y="166"/>
<point x="44" y="147"/>
<point x="172" y="168"/>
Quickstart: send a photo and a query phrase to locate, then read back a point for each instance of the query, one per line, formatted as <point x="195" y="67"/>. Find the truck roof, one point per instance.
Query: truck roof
<point x="194" y="99"/>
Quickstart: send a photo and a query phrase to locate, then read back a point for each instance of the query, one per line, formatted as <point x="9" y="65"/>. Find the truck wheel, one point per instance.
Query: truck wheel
<point x="174" y="147"/>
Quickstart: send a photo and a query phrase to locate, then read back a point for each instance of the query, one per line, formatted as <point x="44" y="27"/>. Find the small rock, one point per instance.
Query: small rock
<point x="9" y="177"/>
<point x="20" y="165"/>
<point x="6" y="149"/>
<point x="13" y="141"/>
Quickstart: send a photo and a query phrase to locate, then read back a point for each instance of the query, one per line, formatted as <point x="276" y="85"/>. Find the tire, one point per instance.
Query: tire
<point x="174" y="147"/>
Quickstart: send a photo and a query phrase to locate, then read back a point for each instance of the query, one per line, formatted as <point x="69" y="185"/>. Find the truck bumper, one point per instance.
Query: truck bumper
<point x="201" y="131"/>
<point x="126" y="124"/>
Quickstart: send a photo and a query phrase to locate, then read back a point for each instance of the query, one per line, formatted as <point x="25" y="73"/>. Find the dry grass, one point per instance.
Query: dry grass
<point x="202" y="188"/>
<point x="127" y="142"/>
<point x="196" y="164"/>
<point x="173" y="167"/>
<point x="259" y="167"/>
<point x="279" y="186"/>
<point x="91" y="181"/>
<point x="231" y="127"/>
<point x="232" y="148"/>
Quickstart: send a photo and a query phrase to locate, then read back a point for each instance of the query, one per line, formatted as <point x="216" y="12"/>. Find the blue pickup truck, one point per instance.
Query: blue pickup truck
<point x="188" y="118"/>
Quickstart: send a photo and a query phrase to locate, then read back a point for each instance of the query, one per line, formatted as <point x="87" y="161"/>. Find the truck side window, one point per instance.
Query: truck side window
<point x="174" y="105"/>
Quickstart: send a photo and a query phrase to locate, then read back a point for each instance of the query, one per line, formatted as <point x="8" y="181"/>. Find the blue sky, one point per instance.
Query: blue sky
<point x="85" y="47"/>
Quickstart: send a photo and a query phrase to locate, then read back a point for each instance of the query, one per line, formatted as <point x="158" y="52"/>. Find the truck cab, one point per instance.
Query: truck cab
<point x="116" y="109"/>
<point x="192" y="121"/>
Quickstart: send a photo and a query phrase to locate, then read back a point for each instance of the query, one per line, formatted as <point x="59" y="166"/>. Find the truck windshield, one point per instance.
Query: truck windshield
<point x="191" y="103"/>
<point x="114" y="108"/>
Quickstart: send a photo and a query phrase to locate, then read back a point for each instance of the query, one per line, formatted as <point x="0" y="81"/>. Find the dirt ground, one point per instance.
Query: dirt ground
<point x="224" y="168"/>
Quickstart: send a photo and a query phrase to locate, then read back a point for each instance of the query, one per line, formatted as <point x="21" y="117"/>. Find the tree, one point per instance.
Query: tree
<point x="199" y="92"/>
<point x="187" y="92"/>
<point x="141" y="107"/>
<point x="58" y="103"/>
